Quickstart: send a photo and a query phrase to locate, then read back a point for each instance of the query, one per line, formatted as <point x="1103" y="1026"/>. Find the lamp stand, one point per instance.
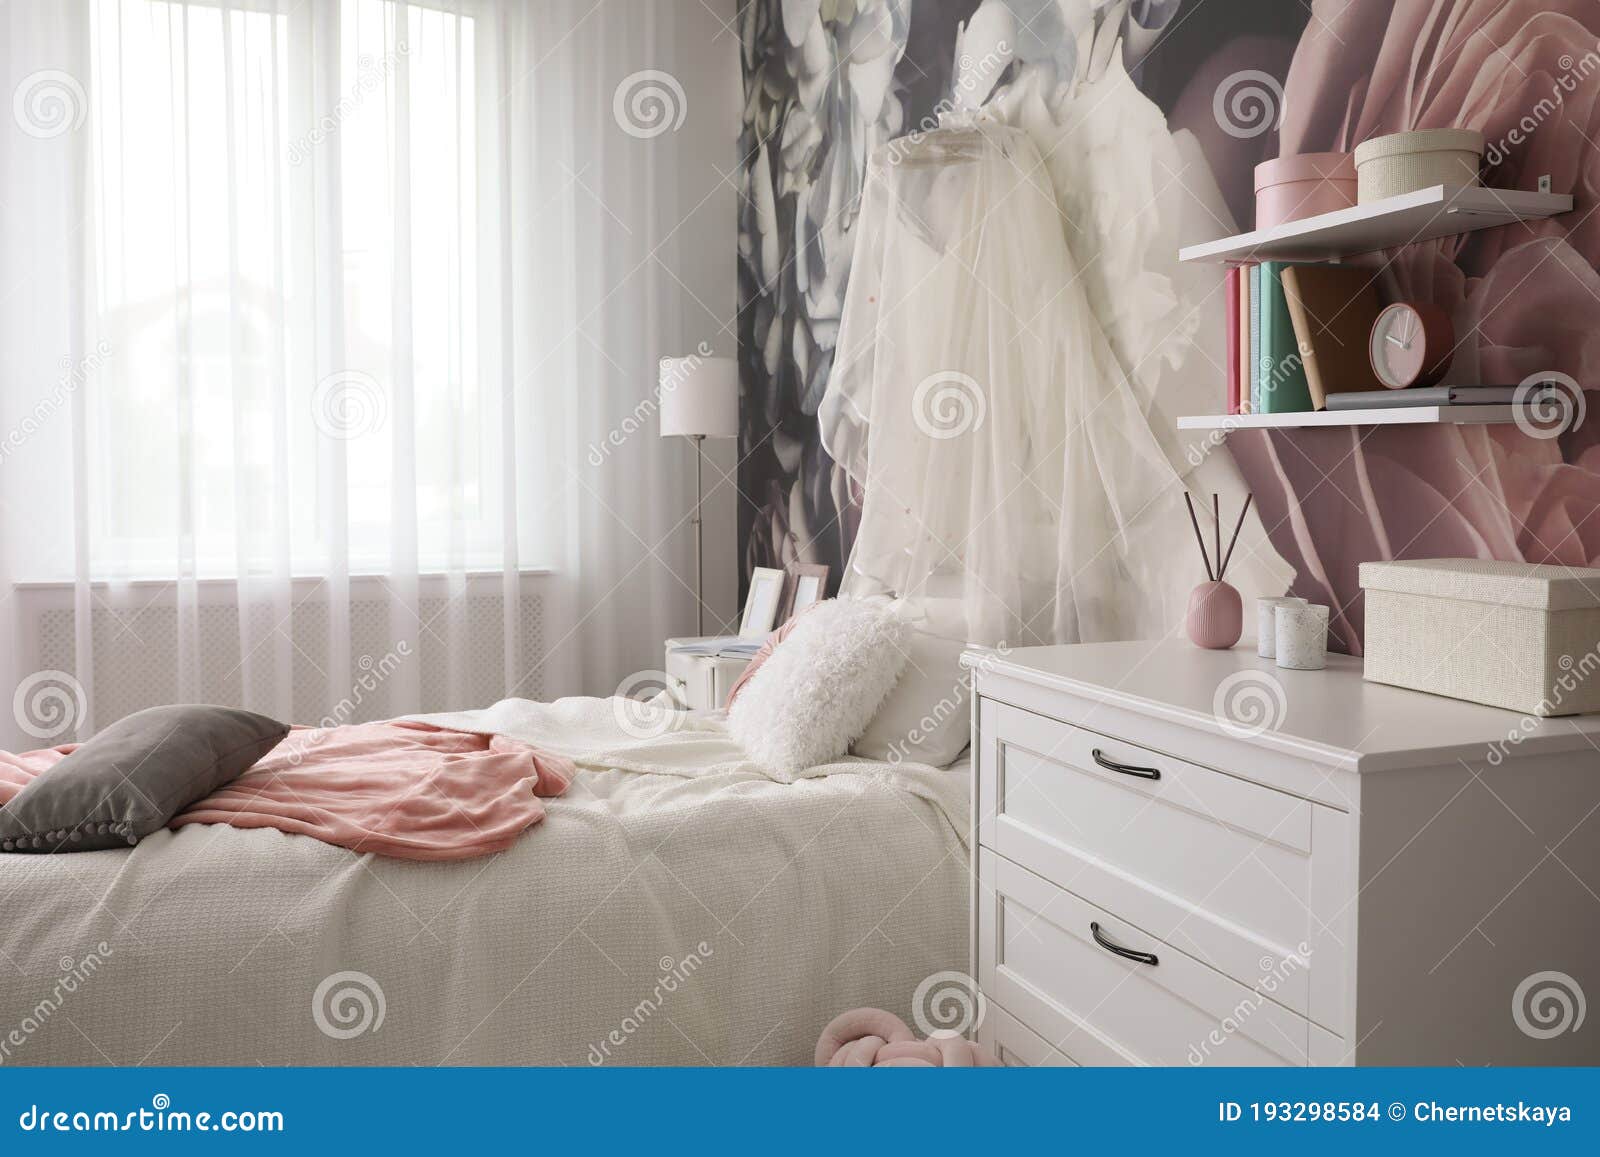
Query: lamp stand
<point x="699" y="557"/>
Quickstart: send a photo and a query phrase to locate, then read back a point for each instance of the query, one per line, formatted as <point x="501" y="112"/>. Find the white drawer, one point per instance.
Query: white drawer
<point x="1017" y="1045"/>
<point x="1215" y="864"/>
<point x="1039" y="956"/>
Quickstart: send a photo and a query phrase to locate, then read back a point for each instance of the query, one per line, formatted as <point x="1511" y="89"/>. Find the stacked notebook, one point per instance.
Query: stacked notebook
<point x="1430" y="396"/>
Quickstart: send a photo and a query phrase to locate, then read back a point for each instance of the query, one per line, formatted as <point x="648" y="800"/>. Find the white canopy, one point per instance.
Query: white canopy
<point x="1012" y="485"/>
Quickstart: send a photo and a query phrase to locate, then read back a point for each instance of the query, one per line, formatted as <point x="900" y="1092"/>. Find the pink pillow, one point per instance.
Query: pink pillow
<point x="764" y="654"/>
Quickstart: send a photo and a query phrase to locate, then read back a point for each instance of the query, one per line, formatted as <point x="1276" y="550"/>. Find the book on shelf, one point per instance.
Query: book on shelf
<point x="1243" y="292"/>
<point x="1255" y="339"/>
<point x="1231" y="289"/>
<point x="1333" y="308"/>
<point x="1283" y="375"/>
<point x="1423" y="396"/>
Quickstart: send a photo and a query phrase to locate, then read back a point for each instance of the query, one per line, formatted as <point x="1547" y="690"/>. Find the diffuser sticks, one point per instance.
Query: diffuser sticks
<point x="1215" y="573"/>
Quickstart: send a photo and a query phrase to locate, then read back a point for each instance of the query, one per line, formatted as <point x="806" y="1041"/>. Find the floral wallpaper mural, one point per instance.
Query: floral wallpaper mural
<point x="1184" y="97"/>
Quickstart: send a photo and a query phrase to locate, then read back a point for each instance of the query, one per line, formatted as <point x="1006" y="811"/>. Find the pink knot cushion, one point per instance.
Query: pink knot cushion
<point x="866" y="1037"/>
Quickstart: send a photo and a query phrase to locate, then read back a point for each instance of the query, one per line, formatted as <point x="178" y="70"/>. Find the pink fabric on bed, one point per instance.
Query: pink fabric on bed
<point x="763" y="654"/>
<point x="408" y="790"/>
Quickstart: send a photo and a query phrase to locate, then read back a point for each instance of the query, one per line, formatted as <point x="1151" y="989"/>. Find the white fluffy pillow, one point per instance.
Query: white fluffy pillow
<point x="927" y="718"/>
<point x="821" y="687"/>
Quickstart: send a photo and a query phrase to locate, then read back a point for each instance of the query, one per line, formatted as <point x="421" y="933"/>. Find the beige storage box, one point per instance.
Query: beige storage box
<point x="1509" y="634"/>
<point x="1405" y="162"/>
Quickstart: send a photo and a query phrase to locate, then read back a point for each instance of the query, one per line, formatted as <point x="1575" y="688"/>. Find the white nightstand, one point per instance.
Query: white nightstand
<point x="1192" y="857"/>
<point x="702" y="681"/>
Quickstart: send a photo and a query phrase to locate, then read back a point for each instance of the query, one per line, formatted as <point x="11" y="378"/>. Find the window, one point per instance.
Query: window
<point x="286" y="240"/>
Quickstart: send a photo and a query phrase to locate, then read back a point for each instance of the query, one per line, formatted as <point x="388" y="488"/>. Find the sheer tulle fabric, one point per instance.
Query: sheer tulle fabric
<point x="1132" y="192"/>
<point x="1013" y="489"/>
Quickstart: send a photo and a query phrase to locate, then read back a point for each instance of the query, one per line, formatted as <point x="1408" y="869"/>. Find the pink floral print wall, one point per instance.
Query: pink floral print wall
<point x="1525" y="299"/>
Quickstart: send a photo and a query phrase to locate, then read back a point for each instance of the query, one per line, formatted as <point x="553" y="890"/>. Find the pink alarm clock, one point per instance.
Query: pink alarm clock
<point x="1411" y="344"/>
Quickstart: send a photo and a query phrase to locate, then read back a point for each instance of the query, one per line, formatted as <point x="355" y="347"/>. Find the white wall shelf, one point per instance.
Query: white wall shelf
<point x="1438" y="211"/>
<point x="1404" y="416"/>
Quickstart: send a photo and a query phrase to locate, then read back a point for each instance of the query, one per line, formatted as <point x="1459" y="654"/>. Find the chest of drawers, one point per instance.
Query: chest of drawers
<point x="1193" y="857"/>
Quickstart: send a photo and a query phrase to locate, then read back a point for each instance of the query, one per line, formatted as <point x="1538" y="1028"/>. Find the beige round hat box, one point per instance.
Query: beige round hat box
<point x="1405" y="162"/>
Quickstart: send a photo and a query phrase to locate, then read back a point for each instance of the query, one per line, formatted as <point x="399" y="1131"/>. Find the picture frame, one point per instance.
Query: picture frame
<point x="804" y="584"/>
<point x="761" y="604"/>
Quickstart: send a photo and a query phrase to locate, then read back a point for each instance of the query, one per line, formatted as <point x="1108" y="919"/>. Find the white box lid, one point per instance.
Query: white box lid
<point x="1481" y="580"/>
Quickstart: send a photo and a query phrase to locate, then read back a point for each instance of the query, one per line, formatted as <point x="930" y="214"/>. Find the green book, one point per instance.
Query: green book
<point x="1284" y="389"/>
<point x="1255" y="339"/>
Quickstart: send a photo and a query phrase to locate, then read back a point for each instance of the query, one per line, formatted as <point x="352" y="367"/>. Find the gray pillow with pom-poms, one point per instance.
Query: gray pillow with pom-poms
<point x="133" y="777"/>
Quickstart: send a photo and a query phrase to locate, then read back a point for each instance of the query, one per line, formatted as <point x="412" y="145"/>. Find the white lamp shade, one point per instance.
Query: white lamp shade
<point x="700" y="397"/>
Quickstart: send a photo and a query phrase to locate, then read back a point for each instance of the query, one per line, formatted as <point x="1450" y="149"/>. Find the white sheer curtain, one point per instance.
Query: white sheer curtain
<point x="298" y="296"/>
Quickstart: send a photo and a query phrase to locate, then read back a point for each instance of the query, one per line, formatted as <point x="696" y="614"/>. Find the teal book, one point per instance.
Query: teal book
<point x="1284" y="389"/>
<point x="1255" y="339"/>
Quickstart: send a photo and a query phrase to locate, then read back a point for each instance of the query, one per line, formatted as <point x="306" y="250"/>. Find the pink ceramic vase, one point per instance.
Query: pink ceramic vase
<point x="1216" y="616"/>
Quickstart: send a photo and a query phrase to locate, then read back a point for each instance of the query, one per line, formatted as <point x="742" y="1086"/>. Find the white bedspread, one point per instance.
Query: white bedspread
<point x="678" y="906"/>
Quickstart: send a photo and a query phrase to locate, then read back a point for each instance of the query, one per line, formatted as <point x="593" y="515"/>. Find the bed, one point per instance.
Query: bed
<point x="676" y="906"/>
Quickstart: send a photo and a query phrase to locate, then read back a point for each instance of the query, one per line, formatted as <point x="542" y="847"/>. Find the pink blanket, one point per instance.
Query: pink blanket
<point x="408" y="790"/>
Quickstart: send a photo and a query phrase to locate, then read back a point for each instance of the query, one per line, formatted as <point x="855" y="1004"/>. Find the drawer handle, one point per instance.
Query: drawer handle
<point x="1125" y="953"/>
<point x="1125" y="768"/>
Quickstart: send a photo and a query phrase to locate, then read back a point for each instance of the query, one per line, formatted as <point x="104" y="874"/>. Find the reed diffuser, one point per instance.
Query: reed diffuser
<point x="1216" y="614"/>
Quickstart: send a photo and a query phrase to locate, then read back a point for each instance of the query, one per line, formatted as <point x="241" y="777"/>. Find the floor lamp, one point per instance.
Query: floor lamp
<point x="699" y="400"/>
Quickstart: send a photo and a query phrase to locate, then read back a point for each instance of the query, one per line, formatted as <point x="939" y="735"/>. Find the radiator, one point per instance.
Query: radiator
<point x="136" y="650"/>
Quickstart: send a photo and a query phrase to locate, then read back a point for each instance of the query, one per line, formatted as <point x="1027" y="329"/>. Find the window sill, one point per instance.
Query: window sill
<point x="477" y="574"/>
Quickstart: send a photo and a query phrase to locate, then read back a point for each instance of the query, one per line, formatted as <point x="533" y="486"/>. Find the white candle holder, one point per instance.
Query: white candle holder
<point x="1301" y="636"/>
<point x="1267" y="623"/>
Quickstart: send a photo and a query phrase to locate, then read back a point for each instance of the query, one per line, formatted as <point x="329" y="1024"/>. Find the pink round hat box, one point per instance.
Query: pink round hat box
<point x="1290" y="188"/>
